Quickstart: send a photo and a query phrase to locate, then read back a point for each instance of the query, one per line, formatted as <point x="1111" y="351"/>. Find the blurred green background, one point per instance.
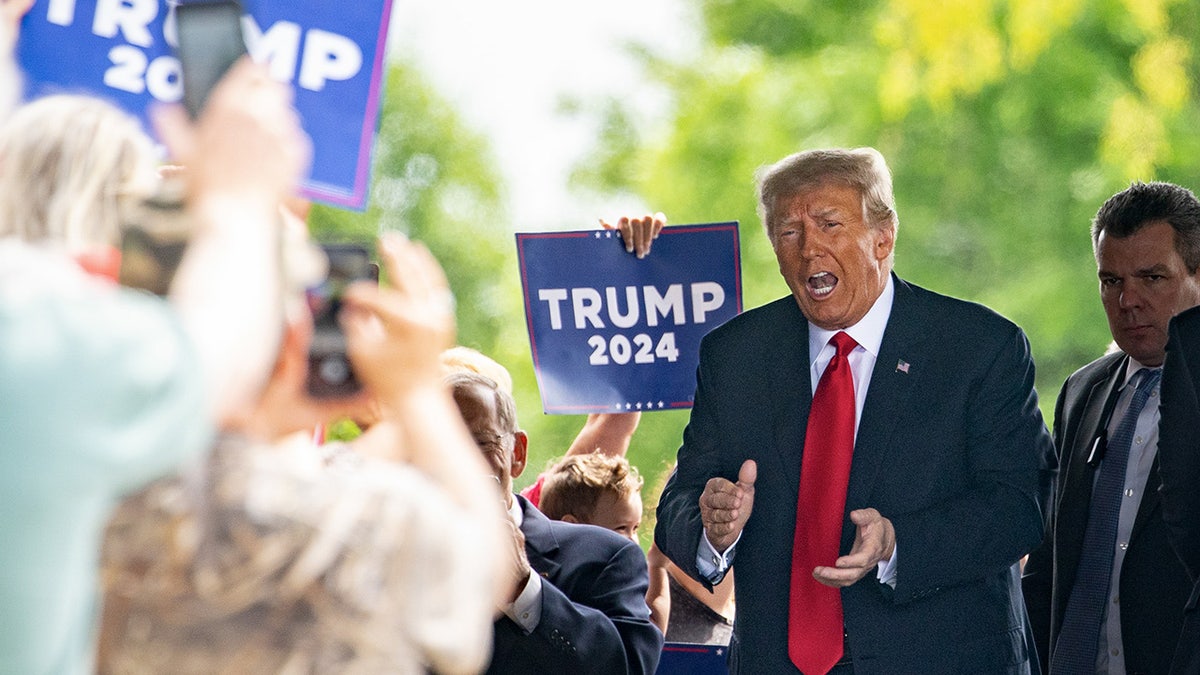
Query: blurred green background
<point x="1006" y="124"/>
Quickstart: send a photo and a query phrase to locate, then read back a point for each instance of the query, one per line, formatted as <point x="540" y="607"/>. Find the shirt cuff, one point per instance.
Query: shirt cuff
<point x="713" y="565"/>
<point x="886" y="569"/>
<point x="526" y="610"/>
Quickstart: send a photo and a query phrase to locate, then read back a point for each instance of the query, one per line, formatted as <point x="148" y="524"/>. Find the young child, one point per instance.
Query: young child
<point x="595" y="489"/>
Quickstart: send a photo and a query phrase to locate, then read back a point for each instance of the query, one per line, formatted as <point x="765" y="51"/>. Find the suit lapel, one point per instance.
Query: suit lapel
<point x="1074" y="504"/>
<point x="541" y="546"/>
<point x="898" y="369"/>
<point x="791" y="384"/>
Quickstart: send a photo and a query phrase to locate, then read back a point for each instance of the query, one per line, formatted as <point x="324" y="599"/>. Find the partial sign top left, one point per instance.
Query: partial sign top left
<point x="332" y="53"/>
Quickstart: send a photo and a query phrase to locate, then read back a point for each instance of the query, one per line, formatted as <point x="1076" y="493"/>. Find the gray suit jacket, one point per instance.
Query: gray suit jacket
<point x="1154" y="585"/>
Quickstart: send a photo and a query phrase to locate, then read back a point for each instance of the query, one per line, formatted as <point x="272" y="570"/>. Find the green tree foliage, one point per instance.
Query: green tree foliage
<point x="1006" y="123"/>
<point x="435" y="181"/>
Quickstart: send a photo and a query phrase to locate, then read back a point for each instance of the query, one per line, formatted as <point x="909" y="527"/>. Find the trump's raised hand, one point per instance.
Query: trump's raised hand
<point x="725" y="506"/>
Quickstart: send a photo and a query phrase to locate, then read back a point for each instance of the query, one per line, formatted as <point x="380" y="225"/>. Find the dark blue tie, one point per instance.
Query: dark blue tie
<point x="1075" y="651"/>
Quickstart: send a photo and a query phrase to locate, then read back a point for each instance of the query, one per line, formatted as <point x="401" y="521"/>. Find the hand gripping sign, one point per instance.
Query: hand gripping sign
<point x="611" y="333"/>
<point x="123" y="51"/>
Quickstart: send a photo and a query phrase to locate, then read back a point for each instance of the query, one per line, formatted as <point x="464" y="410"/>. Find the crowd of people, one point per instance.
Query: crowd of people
<point x="868" y="454"/>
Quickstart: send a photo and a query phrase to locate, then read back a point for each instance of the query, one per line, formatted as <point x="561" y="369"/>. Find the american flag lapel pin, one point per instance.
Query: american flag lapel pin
<point x="902" y="366"/>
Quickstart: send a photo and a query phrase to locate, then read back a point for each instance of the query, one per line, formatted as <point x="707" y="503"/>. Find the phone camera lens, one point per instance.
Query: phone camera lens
<point x="334" y="370"/>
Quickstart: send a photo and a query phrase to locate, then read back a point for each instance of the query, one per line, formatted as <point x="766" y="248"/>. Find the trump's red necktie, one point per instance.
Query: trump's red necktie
<point x="815" y="610"/>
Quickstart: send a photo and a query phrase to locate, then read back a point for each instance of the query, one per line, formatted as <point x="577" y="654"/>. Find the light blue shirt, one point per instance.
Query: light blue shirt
<point x="1110" y="654"/>
<point x="100" y="393"/>
<point x="868" y="333"/>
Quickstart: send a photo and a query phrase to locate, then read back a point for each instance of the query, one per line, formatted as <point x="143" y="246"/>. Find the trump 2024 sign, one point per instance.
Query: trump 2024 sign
<point x="612" y="333"/>
<point x="123" y="51"/>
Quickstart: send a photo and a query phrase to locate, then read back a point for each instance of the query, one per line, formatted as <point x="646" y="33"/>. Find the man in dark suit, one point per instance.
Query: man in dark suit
<point x="1179" y="467"/>
<point x="1112" y="600"/>
<point x="943" y="451"/>
<point x="578" y="599"/>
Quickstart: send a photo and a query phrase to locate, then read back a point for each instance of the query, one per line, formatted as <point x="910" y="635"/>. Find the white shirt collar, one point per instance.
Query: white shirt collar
<point x="515" y="512"/>
<point x="868" y="332"/>
<point x="1131" y="369"/>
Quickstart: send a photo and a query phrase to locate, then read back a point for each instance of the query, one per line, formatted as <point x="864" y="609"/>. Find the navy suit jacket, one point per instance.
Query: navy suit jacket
<point x="950" y="447"/>
<point x="1179" y="463"/>
<point x="594" y="613"/>
<point x="1154" y="584"/>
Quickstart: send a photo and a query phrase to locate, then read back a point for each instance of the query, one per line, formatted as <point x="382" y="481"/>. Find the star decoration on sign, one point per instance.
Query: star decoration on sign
<point x="639" y="405"/>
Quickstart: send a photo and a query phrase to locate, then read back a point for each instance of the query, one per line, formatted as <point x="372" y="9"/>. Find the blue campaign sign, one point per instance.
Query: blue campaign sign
<point x="332" y="53"/>
<point x="611" y="333"/>
<point x="681" y="658"/>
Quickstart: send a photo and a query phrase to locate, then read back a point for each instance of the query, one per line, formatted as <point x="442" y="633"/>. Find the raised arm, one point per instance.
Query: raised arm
<point x="243" y="156"/>
<point x="394" y="337"/>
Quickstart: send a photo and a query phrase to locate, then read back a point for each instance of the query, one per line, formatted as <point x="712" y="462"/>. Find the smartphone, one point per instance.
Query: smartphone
<point x="330" y="374"/>
<point x="210" y="41"/>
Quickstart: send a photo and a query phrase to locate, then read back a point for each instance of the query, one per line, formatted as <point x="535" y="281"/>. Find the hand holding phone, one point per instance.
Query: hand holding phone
<point x="210" y="41"/>
<point x="397" y="332"/>
<point x="330" y="374"/>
